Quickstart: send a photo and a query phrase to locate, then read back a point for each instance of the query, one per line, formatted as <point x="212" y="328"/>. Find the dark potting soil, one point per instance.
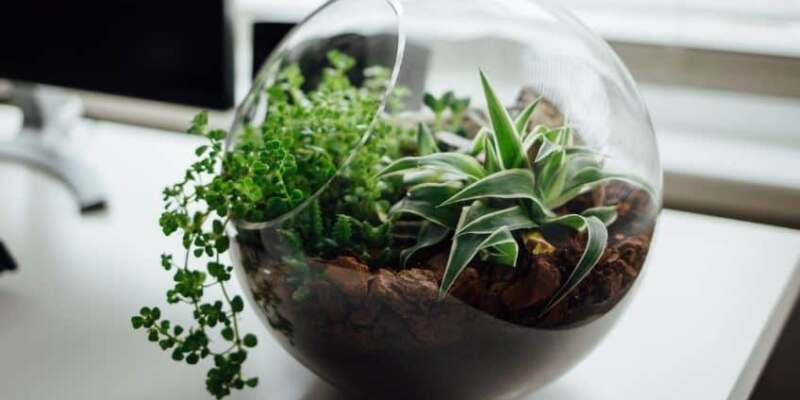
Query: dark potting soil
<point x="383" y="330"/>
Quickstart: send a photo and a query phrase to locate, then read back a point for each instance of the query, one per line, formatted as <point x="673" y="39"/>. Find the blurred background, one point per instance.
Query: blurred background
<point x="716" y="74"/>
<point x="721" y="79"/>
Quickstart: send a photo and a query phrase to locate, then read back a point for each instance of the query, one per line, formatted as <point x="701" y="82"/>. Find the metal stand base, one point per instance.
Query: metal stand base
<point x="51" y="113"/>
<point x="81" y="179"/>
<point x="7" y="262"/>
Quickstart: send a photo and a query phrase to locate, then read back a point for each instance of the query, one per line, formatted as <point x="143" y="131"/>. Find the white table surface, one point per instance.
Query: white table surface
<point x="706" y="315"/>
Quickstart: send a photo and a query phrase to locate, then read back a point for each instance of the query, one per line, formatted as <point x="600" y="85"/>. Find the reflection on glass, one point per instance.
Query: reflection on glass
<point x="459" y="200"/>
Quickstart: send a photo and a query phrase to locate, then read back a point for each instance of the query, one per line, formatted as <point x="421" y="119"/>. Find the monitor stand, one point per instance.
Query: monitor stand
<point x="49" y="115"/>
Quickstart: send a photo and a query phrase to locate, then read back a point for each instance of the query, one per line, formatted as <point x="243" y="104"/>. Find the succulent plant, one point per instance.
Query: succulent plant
<point x="502" y="191"/>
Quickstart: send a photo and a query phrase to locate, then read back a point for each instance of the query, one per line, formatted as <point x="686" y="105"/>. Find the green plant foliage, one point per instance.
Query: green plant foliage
<point x="508" y="184"/>
<point x="379" y="177"/>
<point x="446" y="163"/>
<point x="426" y="141"/>
<point x="524" y="176"/>
<point x="429" y="234"/>
<point x="505" y="135"/>
<point x="596" y="239"/>
<point x="306" y="137"/>
<point x="447" y="101"/>
<point x="438" y="106"/>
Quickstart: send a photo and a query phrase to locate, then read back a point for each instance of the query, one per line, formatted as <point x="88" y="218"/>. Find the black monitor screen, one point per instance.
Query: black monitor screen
<point x="177" y="51"/>
<point x="266" y="37"/>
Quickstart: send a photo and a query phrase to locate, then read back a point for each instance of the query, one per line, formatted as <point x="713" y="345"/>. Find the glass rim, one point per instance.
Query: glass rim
<point x="267" y="75"/>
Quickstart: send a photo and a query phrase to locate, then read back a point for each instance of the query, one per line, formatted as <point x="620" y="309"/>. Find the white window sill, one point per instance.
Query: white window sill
<point x="697" y="31"/>
<point x="731" y="177"/>
<point x="774" y="33"/>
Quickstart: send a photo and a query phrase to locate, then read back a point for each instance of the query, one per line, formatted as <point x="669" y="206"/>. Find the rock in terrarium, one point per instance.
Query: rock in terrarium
<point x="439" y="198"/>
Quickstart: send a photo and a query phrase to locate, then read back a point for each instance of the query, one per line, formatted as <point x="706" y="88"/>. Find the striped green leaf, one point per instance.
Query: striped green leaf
<point x="551" y="174"/>
<point x="492" y="163"/>
<point x="509" y="146"/>
<point x="429" y="234"/>
<point x="502" y="247"/>
<point x="512" y="218"/>
<point x="597" y="237"/>
<point x="508" y="184"/>
<point x="425" y="140"/>
<point x="524" y="118"/>
<point x="592" y="177"/>
<point x="564" y="136"/>
<point x="546" y="150"/>
<point x="531" y="140"/>
<point x="453" y="163"/>
<point x="426" y="175"/>
<point x="444" y="216"/>
<point x="479" y="143"/>
<point x="463" y="249"/>
<point x="606" y="214"/>
<point x="572" y="221"/>
<point x="434" y="193"/>
<point x="466" y="247"/>
<point x="502" y="243"/>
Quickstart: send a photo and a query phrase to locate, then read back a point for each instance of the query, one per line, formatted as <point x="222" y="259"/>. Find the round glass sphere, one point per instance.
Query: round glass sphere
<point x="453" y="198"/>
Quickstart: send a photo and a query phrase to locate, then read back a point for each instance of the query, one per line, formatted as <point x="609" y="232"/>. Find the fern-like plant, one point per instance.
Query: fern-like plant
<point x="503" y="190"/>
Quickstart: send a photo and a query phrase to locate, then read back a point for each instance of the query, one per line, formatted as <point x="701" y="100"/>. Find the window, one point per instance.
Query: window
<point x="754" y="26"/>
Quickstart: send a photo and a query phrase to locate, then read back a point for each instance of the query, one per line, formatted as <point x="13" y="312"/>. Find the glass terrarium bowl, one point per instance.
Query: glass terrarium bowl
<point x="335" y="279"/>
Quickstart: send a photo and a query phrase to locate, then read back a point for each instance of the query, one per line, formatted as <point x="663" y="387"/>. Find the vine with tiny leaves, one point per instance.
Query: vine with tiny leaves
<point x="273" y="168"/>
<point x="203" y="236"/>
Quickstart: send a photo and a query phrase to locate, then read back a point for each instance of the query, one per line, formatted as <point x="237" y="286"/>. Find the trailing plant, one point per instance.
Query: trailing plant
<point x="502" y="191"/>
<point x="306" y="137"/>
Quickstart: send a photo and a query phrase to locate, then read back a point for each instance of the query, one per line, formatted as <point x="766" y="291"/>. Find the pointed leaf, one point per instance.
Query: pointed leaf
<point x="606" y="214"/>
<point x="459" y="143"/>
<point x="512" y="219"/>
<point x="585" y="176"/>
<point x="597" y="237"/>
<point x="431" y="101"/>
<point x="531" y="140"/>
<point x="538" y="209"/>
<point x="556" y="187"/>
<point x="466" y="247"/>
<point x="550" y="173"/>
<point x="426" y="141"/>
<point x="524" y="118"/>
<point x="506" y="137"/>
<point x="547" y="149"/>
<point x="564" y="136"/>
<point x="539" y="130"/>
<point x="575" y="150"/>
<point x="463" y="250"/>
<point x="504" y="249"/>
<point x="425" y="175"/>
<point x="572" y="221"/>
<point x="509" y="184"/>
<point x="492" y="161"/>
<point x="454" y="163"/>
<point x="444" y="216"/>
<point x="498" y="237"/>
<point x="447" y="98"/>
<point x="434" y="193"/>
<point x="592" y="177"/>
<point x="429" y="234"/>
<point x="552" y="134"/>
<point x="479" y="143"/>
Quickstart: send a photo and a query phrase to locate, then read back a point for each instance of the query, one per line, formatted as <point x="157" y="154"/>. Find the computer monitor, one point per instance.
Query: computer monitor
<point x="178" y="51"/>
<point x="266" y="37"/>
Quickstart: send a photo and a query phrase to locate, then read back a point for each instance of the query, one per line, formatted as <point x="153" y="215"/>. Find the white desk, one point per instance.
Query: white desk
<point x="709" y="309"/>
